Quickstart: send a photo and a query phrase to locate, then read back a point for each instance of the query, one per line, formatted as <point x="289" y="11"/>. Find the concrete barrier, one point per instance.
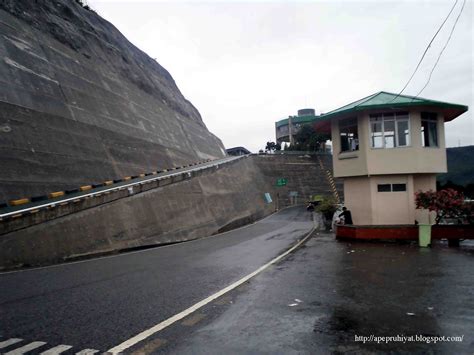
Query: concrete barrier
<point x="169" y="210"/>
<point x="182" y="207"/>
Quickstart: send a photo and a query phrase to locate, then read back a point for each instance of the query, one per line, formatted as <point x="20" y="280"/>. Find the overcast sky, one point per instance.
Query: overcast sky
<point x="245" y="65"/>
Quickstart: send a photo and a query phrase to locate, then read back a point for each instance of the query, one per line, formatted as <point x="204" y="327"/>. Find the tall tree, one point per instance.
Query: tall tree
<point x="308" y="139"/>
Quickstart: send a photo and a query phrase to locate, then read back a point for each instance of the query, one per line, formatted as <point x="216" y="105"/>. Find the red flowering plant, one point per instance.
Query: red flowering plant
<point x="447" y="203"/>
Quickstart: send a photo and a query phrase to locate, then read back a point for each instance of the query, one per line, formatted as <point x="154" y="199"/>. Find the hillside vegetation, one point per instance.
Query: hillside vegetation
<point x="460" y="168"/>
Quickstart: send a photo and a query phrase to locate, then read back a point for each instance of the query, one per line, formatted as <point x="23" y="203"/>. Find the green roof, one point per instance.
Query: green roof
<point x="298" y="119"/>
<point x="387" y="100"/>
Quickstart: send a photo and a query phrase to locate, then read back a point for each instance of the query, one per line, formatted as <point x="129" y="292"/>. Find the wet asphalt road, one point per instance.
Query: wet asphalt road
<point x="320" y="297"/>
<point x="100" y="303"/>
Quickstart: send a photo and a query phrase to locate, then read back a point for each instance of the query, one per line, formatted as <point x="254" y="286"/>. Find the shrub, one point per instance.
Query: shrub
<point x="327" y="207"/>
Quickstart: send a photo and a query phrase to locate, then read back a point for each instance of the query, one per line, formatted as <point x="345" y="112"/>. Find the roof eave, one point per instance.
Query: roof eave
<point x="459" y="109"/>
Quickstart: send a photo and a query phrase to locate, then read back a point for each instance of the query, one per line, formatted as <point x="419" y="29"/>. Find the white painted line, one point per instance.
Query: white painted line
<point x="87" y="352"/>
<point x="26" y="348"/>
<point x="56" y="350"/>
<point x="166" y="323"/>
<point x="9" y="342"/>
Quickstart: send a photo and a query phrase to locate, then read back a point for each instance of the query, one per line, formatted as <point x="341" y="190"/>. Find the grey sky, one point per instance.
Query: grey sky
<point x="245" y="65"/>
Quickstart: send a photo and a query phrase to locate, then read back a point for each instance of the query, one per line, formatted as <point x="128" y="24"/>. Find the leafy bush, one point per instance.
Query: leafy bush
<point x="327" y="207"/>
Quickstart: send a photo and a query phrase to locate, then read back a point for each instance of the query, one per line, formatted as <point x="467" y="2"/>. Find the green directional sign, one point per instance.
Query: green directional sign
<point x="282" y="182"/>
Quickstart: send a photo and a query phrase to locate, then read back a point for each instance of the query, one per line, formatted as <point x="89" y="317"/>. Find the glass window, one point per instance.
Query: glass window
<point x="399" y="187"/>
<point x="429" y="129"/>
<point x="376" y="132"/>
<point x="403" y="134"/>
<point x="391" y="187"/>
<point x="389" y="130"/>
<point x="389" y="133"/>
<point x="349" y="134"/>
<point x="384" y="187"/>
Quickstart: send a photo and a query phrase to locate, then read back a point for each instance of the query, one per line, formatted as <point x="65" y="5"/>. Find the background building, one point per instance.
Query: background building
<point x="286" y="129"/>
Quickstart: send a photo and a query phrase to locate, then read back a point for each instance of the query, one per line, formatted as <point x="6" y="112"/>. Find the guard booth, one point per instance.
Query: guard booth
<point x="386" y="147"/>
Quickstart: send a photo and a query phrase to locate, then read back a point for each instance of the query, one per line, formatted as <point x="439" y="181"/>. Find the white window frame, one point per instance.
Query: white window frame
<point x="395" y="120"/>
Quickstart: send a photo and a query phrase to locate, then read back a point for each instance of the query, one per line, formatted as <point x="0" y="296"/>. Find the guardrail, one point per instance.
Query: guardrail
<point x="298" y="152"/>
<point x="60" y="199"/>
<point x="52" y="195"/>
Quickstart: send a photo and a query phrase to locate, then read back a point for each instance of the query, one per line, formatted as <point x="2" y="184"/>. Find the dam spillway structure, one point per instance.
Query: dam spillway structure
<point x="80" y="104"/>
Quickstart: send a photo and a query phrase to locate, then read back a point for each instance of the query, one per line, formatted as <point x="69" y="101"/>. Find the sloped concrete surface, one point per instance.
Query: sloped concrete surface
<point x="80" y="104"/>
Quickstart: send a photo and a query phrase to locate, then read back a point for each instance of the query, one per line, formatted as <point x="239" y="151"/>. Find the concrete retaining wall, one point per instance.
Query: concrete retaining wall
<point x="302" y="172"/>
<point x="228" y="197"/>
<point x="205" y="204"/>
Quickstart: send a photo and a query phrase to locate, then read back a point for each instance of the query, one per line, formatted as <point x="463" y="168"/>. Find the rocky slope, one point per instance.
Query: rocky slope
<point x="80" y="104"/>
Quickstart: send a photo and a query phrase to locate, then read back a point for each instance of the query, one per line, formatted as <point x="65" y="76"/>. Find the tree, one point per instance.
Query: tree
<point x="447" y="203"/>
<point x="308" y="139"/>
<point x="270" y="147"/>
<point x="278" y="146"/>
<point x="470" y="190"/>
<point x="304" y="135"/>
<point x="450" y="185"/>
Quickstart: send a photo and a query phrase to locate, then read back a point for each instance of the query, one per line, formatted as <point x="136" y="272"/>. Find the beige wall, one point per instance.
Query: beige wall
<point x="350" y="163"/>
<point x="357" y="198"/>
<point x="401" y="160"/>
<point x="370" y="207"/>
<point x="392" y="207"/>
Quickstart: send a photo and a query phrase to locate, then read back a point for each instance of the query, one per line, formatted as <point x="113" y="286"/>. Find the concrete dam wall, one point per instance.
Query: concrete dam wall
<point x="208" y="203"/>
<point x="80" y="104"/>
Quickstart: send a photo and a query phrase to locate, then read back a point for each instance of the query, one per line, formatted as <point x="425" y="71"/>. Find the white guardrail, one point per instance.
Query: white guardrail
<point x="143" y="181"/>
